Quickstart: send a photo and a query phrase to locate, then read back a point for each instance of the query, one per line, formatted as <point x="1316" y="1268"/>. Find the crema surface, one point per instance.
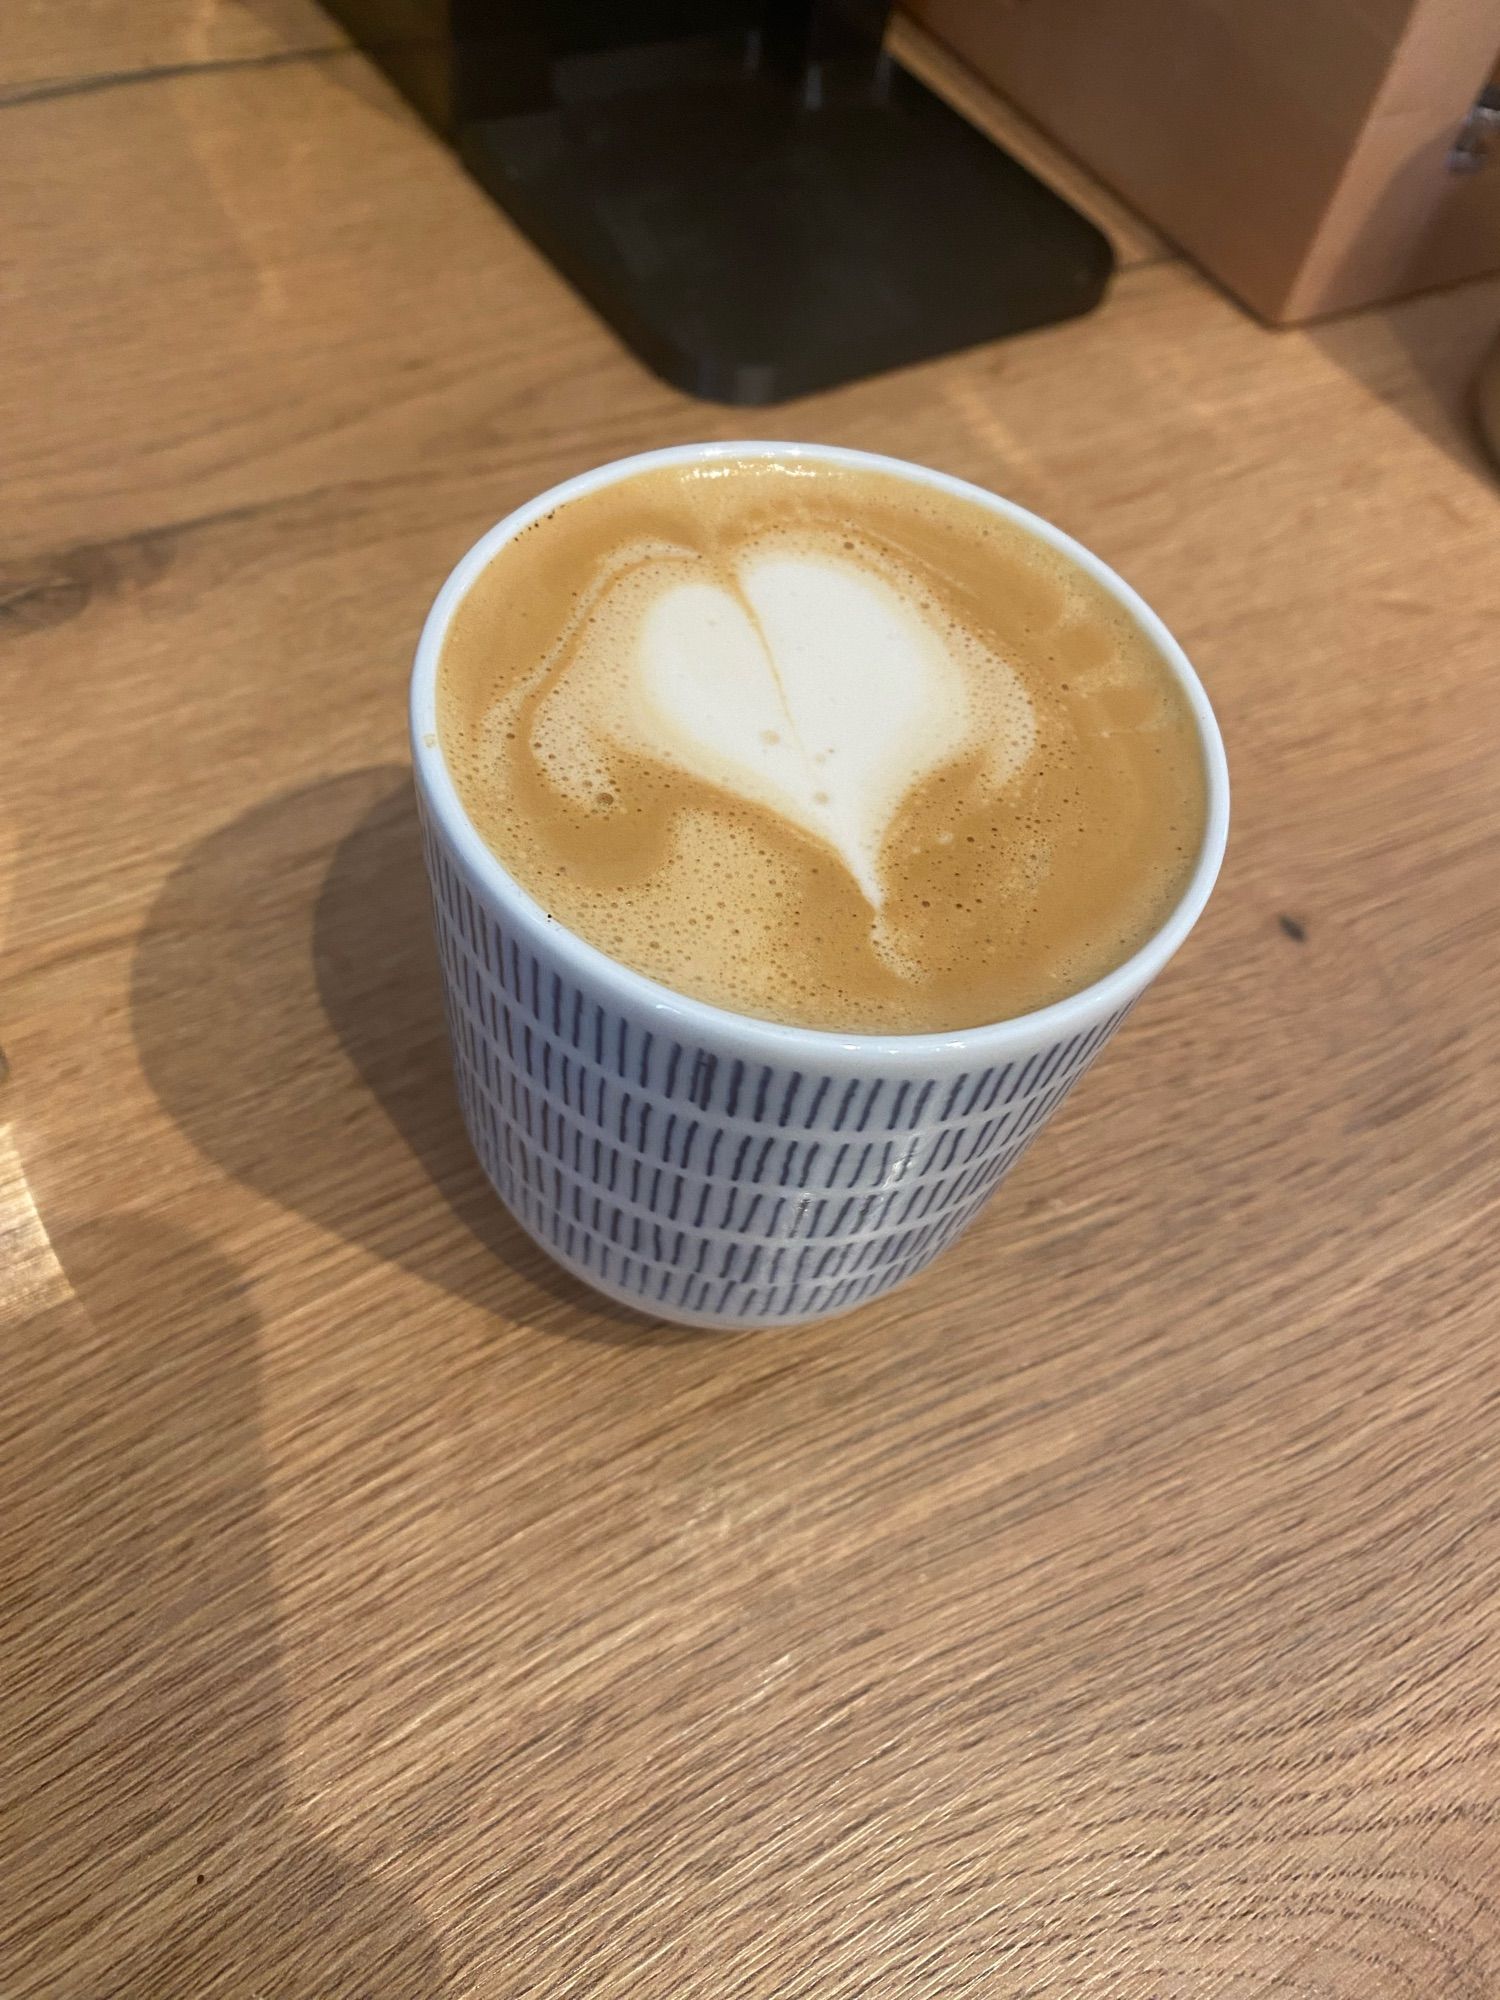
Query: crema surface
<point x="822" y="746"/>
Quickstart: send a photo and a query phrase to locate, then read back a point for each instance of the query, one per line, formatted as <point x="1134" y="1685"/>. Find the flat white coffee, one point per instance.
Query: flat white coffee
<point x="822" y="746"/>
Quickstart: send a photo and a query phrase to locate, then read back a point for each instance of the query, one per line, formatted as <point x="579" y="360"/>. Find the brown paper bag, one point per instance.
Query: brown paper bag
<point x="1299" y="149"/>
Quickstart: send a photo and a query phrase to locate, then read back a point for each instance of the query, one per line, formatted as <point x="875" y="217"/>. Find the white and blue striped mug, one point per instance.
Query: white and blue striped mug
<point x="702" y="1166"/>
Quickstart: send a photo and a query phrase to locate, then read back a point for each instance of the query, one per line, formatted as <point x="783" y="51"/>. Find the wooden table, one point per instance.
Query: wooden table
<point x="1113" y="1614"/>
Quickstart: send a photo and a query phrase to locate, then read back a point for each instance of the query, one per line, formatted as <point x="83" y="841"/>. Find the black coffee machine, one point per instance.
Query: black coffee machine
<point x="753" y="193"/>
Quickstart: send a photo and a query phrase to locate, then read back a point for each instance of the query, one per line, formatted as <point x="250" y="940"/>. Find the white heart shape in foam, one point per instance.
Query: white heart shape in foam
<point x="824" y="696"/>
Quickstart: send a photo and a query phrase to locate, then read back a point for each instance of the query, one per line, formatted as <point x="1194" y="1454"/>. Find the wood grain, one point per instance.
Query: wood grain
<point x="93" y="44"/>
<point x="1114" y="1613"/>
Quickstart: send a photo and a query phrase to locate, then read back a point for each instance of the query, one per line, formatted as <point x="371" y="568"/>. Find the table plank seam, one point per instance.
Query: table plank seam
<point x="47" y="91"/>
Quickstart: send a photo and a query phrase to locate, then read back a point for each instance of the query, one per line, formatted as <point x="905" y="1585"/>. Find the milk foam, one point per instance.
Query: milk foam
<point x="812" y="684"/>
<point x="821" y="746"/>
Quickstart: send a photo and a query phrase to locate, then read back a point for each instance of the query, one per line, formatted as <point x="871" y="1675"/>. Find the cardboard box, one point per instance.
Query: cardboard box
<point x="1299" y="149"/>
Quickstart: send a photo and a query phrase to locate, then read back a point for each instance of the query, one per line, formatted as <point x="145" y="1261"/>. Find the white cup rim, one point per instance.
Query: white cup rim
<point x="775" y="1041"/>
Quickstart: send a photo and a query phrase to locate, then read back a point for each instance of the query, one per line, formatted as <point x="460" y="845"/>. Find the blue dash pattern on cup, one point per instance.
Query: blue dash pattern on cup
<point x="701" y="1186"/>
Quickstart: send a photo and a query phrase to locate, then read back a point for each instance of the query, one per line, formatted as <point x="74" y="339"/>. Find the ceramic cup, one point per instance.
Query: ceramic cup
<point x="701" y="1166"/>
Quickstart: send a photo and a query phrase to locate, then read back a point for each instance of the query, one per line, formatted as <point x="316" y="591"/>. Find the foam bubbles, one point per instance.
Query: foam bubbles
<point x="822" y="749"/>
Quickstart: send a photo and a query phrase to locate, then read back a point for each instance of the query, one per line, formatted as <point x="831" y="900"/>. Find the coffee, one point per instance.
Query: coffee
<point x="822" y="745"/>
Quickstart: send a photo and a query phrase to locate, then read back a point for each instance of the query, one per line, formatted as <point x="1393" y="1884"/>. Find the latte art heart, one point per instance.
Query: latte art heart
<point x="804" y="684"/>
<point x="820" y="744"/>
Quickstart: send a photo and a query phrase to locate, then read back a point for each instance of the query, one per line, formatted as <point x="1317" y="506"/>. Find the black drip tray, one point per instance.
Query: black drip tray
<point x="756" y="197"/>
<point x="750" y="247"/>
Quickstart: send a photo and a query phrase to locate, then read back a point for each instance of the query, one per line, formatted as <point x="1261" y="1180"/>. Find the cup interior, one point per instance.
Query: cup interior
<point x="775" y="1041"/>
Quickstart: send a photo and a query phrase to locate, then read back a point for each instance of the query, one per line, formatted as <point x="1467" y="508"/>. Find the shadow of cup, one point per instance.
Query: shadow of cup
<point x="286" y="1008"/>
